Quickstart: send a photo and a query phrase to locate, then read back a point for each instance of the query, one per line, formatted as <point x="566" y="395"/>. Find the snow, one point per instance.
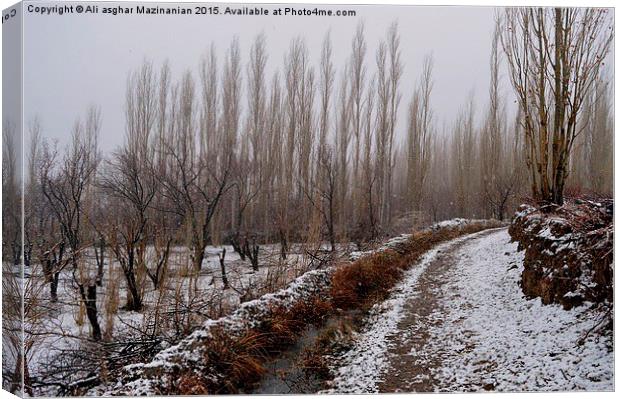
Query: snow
<point x="450" y="223"/>
<point x="62" y="331"/>
<point x="367" y="358"/>
<point x="518" y="344"/>
<point x="187" y="353"/>
<point x="488" y="335"/>
<point x="390" y="244"/>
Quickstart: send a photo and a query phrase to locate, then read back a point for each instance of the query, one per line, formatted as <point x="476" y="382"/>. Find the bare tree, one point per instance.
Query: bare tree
<point x="554" y="57"/>
<point x="14" y="369"/>
<point x="343" y="142"/>
<point x="276" y="194"/>
<point x="395" y="74"/>
<point x="249" y="165"/>
<point x="357" y="78"/>
<point x="325" y="180"/>
<point x="499" y="176"/>
<point x="323" y="196"/>
<point x="464" y="161"/>
<point x="41" y="229"/>
<point x="420" y="135"/>
<point x="326" y="86"/>
<point x="194" y="184"/>
<point x="599" y="140"/>
<point x="130" y="179"/>
<point x="65" y="187"/>
<point x="383" y="129"/>
<point x="590" y="160"/>
<point x="369" y="175"/>
<point x="11" y="195"/>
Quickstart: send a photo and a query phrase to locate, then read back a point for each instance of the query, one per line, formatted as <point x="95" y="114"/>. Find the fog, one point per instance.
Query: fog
<point x="75" y="60"/>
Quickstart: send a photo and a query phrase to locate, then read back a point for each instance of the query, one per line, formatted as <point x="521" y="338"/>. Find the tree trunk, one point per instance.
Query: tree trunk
<point x="283" y="245"/>
<point x="54" y="286"/>
<point x="332" y="240"/>
<point x="21" y="368"/>
<point x="89" y="297"/>
<point x="237" y="247"/>
<point x="100" y="256"/>
<point x="251" y="253"/>
<point x="199" y="255"/>
<point x="16" y="253"/>
<point x="330" y="222"/>
<point x="223" y="269"/>
<point x="134" y="301"/>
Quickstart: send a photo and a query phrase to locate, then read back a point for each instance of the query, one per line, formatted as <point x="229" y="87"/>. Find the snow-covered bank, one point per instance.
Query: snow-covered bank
<point x="364" y="362"/>
<point x="483" y="333"/>
<point x="154" y="377"/>
<point x="494" y="338"/>
<point x="568" y="251"/>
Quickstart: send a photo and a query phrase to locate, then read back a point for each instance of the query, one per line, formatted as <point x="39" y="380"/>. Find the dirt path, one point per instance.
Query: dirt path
<point x="459" y="322"/>
<point x="411" y="365"/>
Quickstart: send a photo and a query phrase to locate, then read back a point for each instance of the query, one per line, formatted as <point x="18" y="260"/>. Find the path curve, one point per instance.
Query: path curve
<point x="459" y="322"/>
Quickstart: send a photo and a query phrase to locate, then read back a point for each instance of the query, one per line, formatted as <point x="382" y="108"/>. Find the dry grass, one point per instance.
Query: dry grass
<point x="240" y="360"/>
<point x="192" y="384"/>
<point x="286" y="325"/>
<point x="368" y="280"/>
<point x="314" y="311"/>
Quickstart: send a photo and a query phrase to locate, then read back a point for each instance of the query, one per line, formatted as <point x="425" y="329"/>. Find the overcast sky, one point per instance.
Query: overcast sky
<point x="74" y="60"/>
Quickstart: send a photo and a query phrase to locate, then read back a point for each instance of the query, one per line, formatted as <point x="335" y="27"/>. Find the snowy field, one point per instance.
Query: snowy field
<point x="482" y="334"/>
<point x="458" y="321"/>
<point x="60" y="332"/>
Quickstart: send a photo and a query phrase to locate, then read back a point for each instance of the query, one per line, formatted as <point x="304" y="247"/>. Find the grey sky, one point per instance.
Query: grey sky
<point x="11" y="77"/>
<point x="73" y="60"/>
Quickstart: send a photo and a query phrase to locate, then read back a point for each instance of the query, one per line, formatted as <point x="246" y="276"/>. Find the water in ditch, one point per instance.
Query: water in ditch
<point x="287" y="375"/>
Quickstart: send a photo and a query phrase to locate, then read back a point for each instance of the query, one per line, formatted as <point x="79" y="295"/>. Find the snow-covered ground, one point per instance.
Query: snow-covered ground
<point x="395" y="242"/>
<point x="187" y="300"/>
<point x="363" y="364"/>
<point x="516" y="344"/>
<point x="482" y="333"/>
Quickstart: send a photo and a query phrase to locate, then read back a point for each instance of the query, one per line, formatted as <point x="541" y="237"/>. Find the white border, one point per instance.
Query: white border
<point x="491" y="3"/>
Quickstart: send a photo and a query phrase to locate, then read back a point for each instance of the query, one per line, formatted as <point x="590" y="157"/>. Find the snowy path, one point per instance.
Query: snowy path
<point x="459" y="322"/>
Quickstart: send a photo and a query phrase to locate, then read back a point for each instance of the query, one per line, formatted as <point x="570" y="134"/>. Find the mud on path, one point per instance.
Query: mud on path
<point x="459" y="322"/>
<point x="411" y="364"/>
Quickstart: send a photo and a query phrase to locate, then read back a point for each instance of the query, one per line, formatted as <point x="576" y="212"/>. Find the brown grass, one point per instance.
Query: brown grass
<point x="192" y="384"/>
<point x="314" y="363"/>
<point x="314" y="311"/>
<point x="240" y="360"/>
<point x="286" y="325"/>
<point x="368" y="280"/>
